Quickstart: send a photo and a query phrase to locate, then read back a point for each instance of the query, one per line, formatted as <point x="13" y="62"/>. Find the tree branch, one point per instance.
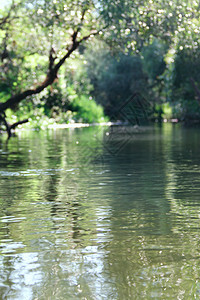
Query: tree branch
<point x="74" y="46"/>
<point x="7" y="18"/>
<point x="52" y="58"/>
<point x="3" y="119"/>
<point x="14" y="125"/>
<point x="50" y="77"/>
<point x="8" y="126"/>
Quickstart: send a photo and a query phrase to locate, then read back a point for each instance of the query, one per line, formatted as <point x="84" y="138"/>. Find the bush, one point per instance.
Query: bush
<point x="87" y="110"/>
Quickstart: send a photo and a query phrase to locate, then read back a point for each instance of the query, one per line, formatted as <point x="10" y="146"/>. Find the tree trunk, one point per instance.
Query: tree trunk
<point x="9" y="127"/>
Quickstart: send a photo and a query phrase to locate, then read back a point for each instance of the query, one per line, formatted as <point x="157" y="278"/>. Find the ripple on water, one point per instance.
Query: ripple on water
<point x="126" y="227"/>
<point x="33" y="172"/>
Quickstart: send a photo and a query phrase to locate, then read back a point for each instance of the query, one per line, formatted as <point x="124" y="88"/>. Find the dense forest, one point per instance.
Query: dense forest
<point x="77" y="61"/>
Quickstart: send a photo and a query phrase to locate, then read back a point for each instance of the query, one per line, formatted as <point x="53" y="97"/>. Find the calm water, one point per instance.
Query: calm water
<point x="100" y="213"/>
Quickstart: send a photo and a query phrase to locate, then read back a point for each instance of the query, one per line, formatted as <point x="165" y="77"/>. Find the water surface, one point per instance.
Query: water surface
<point x="100" y="213"/>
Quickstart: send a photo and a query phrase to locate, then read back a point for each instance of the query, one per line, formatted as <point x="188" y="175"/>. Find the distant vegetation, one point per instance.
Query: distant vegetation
<point x="76" y="61"/>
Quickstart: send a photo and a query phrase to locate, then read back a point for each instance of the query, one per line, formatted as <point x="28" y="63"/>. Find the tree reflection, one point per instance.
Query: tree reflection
<point x="125" y="227"/>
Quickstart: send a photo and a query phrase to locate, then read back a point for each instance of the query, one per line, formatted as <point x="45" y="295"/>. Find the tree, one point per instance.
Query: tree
<point x="60" y="26"/>
<point x="115" y="77"/>
<point x="185" y="71"/>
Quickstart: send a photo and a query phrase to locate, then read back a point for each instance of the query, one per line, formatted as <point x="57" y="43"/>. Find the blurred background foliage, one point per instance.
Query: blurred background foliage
<point x="146" y="47"/>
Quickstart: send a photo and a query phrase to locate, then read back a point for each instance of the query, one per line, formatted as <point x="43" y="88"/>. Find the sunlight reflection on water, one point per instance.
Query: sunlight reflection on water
<point x="123" y="226"/>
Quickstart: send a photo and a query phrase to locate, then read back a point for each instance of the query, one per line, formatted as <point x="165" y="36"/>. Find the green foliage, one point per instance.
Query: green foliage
<point x="186" y="83"/>
<point x="186" y="68"/>
<point x="36" y="116"/>
<point x="87" y="110"/>
<point x="153" y="59"/>
<point x="148" y="47"/>
<point x="167" y="111"/>
<point x="66" y="104"/>
<point x="186" y="110"/>
<point x="54" y="100"/>
<point x="115" y="78"/>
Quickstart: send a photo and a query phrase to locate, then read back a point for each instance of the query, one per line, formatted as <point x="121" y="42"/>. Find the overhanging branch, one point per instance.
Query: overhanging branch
<point x="51" y="75"/>
<point x="13" y="126"/>
<point x="7" y="19"/>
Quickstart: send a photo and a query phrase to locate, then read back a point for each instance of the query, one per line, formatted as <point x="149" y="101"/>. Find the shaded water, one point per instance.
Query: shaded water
<point x="96" y="213"/>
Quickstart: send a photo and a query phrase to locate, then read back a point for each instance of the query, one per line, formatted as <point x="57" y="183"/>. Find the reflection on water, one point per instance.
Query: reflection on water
<point x="94" y="213"/>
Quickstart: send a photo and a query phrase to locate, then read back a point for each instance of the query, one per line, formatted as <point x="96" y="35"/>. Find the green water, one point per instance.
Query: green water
<point x="100" y="213"/>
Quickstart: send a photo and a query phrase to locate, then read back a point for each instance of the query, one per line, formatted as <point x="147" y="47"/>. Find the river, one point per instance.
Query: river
<point x="100" y="213"/>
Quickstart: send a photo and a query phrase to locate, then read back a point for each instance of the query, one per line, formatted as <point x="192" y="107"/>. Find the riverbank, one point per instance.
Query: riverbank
<point x="79" y="125"/>
<point x="82" y="125"/>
